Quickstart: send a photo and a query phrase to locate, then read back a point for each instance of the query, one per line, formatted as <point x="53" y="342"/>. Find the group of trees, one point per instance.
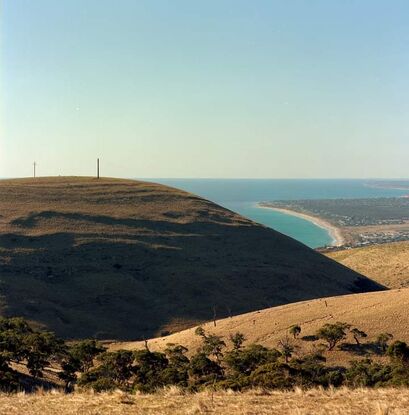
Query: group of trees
<point x="216" y="364"/>
<point x="20" y="343"/>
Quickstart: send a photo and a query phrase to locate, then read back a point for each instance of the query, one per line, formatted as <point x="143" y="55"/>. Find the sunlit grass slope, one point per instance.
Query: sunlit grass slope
<point x="388" y="264"/>
<point x="373" y="313"/>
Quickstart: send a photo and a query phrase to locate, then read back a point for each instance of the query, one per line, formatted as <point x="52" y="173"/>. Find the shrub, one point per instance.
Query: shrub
<point x="97" y="380"/>
<point x="149" y="370"/>
<point x="177" y="371"/>
<point x="115" y="371"/>
<point x="272" y="376"/>
<point x="310" y="370"/>
<point x="237" y="339"/>
<point x="365" y="373"/>
<point x="204" y="371"/>
<point x="382" y="340"/>
<point x="246" y="360"/>
<point x="295" y="330"/>
<point x="84" y="352"/>
<point x="398" y="351"/>
<point x="286" y="348"/>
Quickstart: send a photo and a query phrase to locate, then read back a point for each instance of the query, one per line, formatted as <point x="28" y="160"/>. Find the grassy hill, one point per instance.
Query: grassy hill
<point x="374" y="313"/>
<point x="119" y="259"/>
<point x="388" y="264"/>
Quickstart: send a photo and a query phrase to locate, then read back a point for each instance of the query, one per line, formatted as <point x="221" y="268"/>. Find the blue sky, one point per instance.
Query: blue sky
<point x="211" y="88"/>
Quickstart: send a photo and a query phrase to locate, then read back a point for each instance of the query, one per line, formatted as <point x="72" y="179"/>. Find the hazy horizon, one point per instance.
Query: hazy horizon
<point x="219" y="89"/>
<point x="215" y="178"/>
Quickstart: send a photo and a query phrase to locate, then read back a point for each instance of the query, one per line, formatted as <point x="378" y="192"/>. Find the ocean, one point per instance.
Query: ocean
<point x="243" y="195"/>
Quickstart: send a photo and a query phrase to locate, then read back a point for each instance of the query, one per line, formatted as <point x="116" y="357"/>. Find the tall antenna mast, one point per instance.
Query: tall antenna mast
<point x="34" y="169"/>
<point x="98" y="168"/>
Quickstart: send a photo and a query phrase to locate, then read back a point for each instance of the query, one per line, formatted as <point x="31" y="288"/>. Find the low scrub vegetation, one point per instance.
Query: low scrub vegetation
<point x="217" y="365"/>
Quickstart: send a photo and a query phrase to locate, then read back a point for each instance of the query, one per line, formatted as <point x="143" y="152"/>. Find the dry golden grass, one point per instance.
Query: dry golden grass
<point x="122" y="259"/>
<point x="387" y="264"/>
<point x="172" y="402"/>
<point x="374" y="313"/>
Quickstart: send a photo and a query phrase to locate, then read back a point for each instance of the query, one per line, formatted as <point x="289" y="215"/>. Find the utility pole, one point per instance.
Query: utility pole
<point x="98" y="168"/>
<point x="34" y="169"/>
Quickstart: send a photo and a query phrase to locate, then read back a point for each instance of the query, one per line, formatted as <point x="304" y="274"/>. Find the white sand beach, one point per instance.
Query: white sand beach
<point x="335" y="232"/>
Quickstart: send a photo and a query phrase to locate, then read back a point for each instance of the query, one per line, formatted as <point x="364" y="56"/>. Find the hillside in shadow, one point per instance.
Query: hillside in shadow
<point x="117" y="259"/>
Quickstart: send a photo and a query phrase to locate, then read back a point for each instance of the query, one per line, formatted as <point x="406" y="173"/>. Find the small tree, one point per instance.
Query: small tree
<point x="69" y="374"/>
<point x="333" y="333"/>
<point x="149" y="370"/>
<point x="176" y="354"/>
<point x="200" y="332"/>
<point x="295" y="330"/>
<point x="177" y="371"/>
<point x="13" y="334"/>
<point x="382" y="340"/>
<point x="212" y="344"/>
<point x="115" y="371"/>
<point x="358" y="334"/>
<point x="20" y="343"/>
<point x="237" y="339"/>
<point x="85" y="352"/>
<point x="39" y="348"/>
<point x="286" y="349"/>
<point x="203" y="370"/>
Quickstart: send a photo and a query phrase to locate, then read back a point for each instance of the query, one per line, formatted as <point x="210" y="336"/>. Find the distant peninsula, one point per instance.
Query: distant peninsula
<point x="353" y="222"/>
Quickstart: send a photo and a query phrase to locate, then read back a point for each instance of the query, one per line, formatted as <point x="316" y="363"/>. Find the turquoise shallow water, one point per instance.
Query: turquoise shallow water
<point x="242" y="196"/>
<point x="300" y="229"/>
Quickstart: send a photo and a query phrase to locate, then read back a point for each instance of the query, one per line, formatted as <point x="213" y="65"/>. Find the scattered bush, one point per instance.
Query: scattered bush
<point x="245" y="361"/>
<point x="273" y="376"/>
<point x="295" y="330"/>
<point x="399" y="352"/>
<point x="286" y="348"/>
<point x="237" y="339"/>
<point x="382" y="340"/>
<point x="365" y="373"/>
<point x="114" y="371"/>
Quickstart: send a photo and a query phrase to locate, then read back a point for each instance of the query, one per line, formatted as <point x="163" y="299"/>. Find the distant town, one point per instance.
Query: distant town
<point x="362" y="221"/>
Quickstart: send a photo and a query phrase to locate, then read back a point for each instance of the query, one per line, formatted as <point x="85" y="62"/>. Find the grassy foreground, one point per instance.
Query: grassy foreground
<point x="172" y="401"/>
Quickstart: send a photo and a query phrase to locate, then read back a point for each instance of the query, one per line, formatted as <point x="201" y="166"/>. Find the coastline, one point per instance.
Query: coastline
<point x="334" y="232"/>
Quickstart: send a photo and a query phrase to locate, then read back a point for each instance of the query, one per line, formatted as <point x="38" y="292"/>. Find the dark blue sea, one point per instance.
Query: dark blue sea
<point x="243" y="195"/>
